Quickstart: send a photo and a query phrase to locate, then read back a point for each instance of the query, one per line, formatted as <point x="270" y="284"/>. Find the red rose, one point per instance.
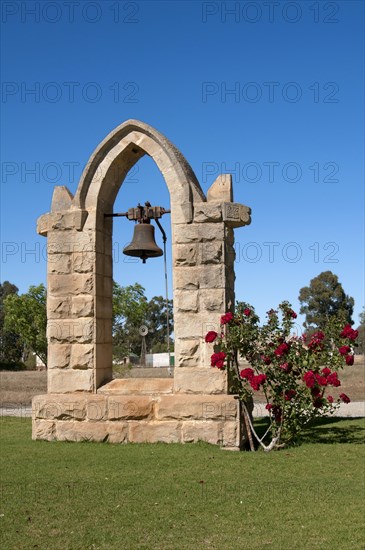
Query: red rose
<point x="315" y="391"/>
<point x="332" y="380"/>
<point x="345" y="398"/>
<point x="349" y="333"/>
<point x="330" y="399"/>
<point x="280" y="350"/>
<point x="344" y="350"/>
<point x="326" y="371"/>
<point x="309" y="379"/>
<point x="247" y="312"/>
<point x="217" y="359"/>
<point x="321" y="380"/>
<point x="211" y="336"/>
<point x="227" y="318"/>
<point x="266" y="359"/>
<point x="247" y="374"/>
<point x="349" y="360"/>
<point x="289" y="394"/>
<point x="291" y="314"/>
<point x="269" y="406"/>
<point x="256" y="381"/>
<point x="285" y="367"/>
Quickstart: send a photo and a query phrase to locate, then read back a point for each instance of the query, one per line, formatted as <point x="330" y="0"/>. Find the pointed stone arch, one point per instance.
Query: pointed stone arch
<point x="80" y="283"/>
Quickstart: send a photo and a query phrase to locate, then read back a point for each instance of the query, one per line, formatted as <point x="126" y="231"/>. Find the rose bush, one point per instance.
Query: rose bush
<point x="294" y="373"/>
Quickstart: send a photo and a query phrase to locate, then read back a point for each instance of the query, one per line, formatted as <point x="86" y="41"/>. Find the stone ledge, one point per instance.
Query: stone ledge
<point x="137" y="386"/>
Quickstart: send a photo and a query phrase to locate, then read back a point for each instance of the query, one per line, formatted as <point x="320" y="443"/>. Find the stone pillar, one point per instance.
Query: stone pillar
<point x="203" y="258"/>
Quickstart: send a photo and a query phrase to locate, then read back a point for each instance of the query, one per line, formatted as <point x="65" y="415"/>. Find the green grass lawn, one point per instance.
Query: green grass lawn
<point x="78" y="496"/>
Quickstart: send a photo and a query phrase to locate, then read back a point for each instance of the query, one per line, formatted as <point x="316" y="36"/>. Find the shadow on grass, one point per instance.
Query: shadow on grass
<point x="326" y="430"/>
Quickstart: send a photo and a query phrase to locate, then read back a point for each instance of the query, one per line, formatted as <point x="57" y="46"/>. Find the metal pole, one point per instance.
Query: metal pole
<point x="167" y="293"/>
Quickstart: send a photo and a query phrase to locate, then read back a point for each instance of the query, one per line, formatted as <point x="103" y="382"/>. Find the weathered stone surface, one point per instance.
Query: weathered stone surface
<point x="70" y="330"/>
<point x="187" y="278"/>
<point x="186" y="254"/>
<point x="205" y="212"/>
<point x="61" y="199"/>
<point x="211" y="253"/>
<point x="196" y="407"/>
<point x="212" y="300"/>
<point x="197" y="233"/>
<point x="82" y="356"/>
<point x="187" y="352"/>
<point x="66" y="285"/>
<point x="153" y="432"/>
<point x="70" y="380"/>
<point x="82" y="306"/>
<point x="59" y="263"/>
<point x="204" y="380"/>
<point x="231" y="433"/>
<point x="209" y="431"/>
<point x="58" y="355"/>
<point x="186" y="301"/>
<point x="83" y="262"/>
<point x="43" y="429"/>
<point x="58" y="307"/>
<point x="130" y="407"/>
<point x="117" y="432"/>
<point x="97" y="408"/>
<point x="81" y="431"/>
<point x="236" y="215"/>
<point x="70" y="406"/>
<point x="137" y="386"/>
<point x="221" y="190"/>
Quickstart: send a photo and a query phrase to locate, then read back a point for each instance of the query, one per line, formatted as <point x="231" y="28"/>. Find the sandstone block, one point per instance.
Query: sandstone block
<point x="196" y="407"/>
<point x="206" y="380"/>
<point x="187" y="352"/>
<point x="231" y="434"/>
<point x="70" y="330"/>
<point x="82" y="356"/>
<point x="81" y="431"/>
<point x="236" y="214"/>
<point x="97" y="408"/>
<point x="153" y="432"/>
<point x="58" y="307"/>
<point x="193" y="431"/>
<point x="59" y="263"/>
<point x="187" y="278"/>
<point x="137" y="386"/>
<point x="130" y="407"/>
<point x="117" y="432"/>
<point x="43" y="429"/>
<point x="186" y="301"/>
<point x="70" y="380"/>
<point x="66" y="285"/>
<point x="221" y="190"/>
<point x="197" y="233"/>
<point x="185" y="254"/>
<point x="83" y="262"/>
<point x="211" y="253"/>
<point x="82" y="306"/>
<point x="59" y="355"/>
<point x="213" y="300"/>
<point x="51" y="407"/>
<point x="205" y="212"/>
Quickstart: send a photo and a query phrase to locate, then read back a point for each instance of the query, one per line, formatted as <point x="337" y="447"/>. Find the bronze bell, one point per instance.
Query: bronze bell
<point x="143" y="244"/>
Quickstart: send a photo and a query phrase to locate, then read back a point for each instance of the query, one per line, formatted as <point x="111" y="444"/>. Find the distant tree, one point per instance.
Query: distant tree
<point x="361" y="330"/>
<point x="129" y="313"/>
<point x="11" y="346"/>
<point x="156" y="321"/>
<point x="26" y="315"/>
<point x="325" y="298"/>
<point x="131" y="310"/>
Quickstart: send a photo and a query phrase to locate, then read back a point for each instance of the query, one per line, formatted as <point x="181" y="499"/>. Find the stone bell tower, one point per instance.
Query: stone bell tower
<point x="83" y="402"/>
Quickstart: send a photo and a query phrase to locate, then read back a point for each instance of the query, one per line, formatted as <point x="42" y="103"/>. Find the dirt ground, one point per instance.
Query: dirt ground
<point x="19" y="387"/>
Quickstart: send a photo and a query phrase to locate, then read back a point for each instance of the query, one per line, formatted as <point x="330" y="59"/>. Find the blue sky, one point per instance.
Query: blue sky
<point x="270" y="91"/>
